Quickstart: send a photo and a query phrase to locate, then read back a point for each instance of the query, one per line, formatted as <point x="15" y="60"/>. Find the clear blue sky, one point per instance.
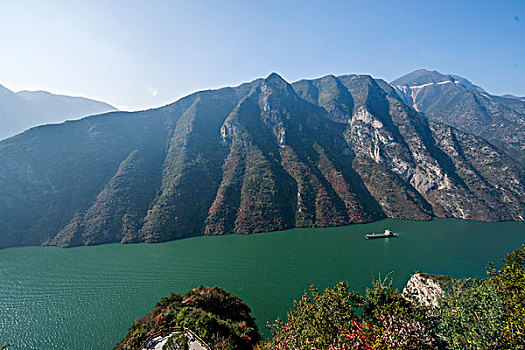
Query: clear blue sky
<point x="140" y="54"/>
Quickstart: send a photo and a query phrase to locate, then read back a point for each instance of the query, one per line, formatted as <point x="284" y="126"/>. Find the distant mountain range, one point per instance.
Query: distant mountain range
<point x="457" y="102"/>
<point x="266" y="155"/>
<point x="25" y="109"/>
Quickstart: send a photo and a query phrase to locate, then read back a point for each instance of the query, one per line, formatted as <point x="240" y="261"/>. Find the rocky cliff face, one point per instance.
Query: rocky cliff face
<point x="455" y="101"/>
<point x="262" y="156"/>
<point x="424" y="289"/>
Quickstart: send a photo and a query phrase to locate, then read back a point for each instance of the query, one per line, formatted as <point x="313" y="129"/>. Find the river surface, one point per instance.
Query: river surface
<point x="87" y="297"/>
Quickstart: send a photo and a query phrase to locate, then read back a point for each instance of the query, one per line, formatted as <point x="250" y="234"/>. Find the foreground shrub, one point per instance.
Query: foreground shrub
<point x="220" y="318"/>
<point x="341" y="319"/>
<point x="470" y="315"/>
<point x="398" y="333"/>
<point x="398" y="322"/>
<point x="509" y="281"/>
<point x="177" y="342"/>
<point x="320" y="321"/>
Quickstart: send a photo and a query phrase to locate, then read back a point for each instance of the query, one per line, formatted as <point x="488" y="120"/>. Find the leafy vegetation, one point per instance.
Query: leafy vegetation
<point x="472" y="314"/>
<point x="221" y="319"/>
<point x="317" y="320"/>
<point x="341" y="319"/>
<point x="178" y="341"/>
<point x="509" y="281"/>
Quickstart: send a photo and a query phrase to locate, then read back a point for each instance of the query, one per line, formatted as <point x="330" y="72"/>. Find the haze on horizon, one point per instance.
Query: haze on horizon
<point x="137" y="54"/>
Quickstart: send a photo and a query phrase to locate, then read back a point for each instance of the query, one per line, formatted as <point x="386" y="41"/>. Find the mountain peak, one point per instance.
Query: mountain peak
<point x="25" y="109"/>
<point x="425" y="71"/>
<point x="329" y="77"/>
<point x="453" y="100"/>
<point x="422" y="77"/>
<point x="275" y="77"/>
<point x="4" y="90"/>
<point x="36" y="92"/>
<point x="274" y="82"/>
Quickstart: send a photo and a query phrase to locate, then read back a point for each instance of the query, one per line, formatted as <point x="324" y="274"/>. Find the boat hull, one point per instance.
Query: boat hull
<point x="379" y="236"/>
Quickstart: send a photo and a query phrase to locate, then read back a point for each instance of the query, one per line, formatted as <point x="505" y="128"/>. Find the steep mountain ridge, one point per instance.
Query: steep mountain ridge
<point x="262" y="156"/>
<point x="405" y="143"/>
<point x="455" y="101"/>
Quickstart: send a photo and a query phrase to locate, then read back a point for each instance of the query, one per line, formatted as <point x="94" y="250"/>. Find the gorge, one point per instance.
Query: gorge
<point x="263" y="156"/>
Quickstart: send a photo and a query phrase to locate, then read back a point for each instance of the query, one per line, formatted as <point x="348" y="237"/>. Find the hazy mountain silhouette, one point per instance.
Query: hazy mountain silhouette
<point x="25" y="109"/>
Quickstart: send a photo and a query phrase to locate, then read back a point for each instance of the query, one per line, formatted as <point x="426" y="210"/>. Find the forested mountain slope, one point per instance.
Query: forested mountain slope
<point x="262" y="156"/>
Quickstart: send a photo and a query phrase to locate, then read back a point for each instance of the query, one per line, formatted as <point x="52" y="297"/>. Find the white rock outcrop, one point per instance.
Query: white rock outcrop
<point x="423" y="289"/>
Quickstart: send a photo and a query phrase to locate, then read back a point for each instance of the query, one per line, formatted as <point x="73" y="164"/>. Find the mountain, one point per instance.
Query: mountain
<point x="22" y="110"/>
<point x="455" y="101"/>
<point x="263" y="156"/>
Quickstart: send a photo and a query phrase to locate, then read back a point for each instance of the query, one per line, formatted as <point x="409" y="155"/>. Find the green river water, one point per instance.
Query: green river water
<point x="86" y="297"/>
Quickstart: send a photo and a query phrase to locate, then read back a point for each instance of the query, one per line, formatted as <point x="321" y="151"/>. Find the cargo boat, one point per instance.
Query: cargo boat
<point x="386" y="234"/>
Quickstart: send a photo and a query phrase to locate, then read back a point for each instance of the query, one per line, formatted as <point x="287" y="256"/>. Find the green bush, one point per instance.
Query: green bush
<point x="470" y="315"/>
<point x="509" y="281"/>
<point x="216" y="316"/>
<point x="397" y="322"/>
<point x="341" y="319"/>
<point x="178" y="341"/>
